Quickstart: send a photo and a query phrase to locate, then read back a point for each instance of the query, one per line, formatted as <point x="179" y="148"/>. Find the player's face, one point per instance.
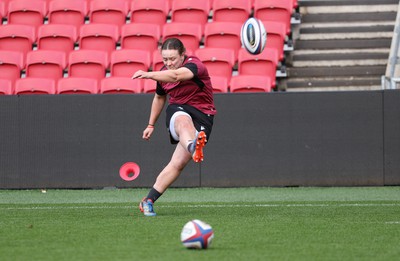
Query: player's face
<point x="172" y="59"/>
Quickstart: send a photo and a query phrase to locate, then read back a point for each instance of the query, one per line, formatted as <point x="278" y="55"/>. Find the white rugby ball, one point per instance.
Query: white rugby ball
<point x="197" y="234"/>
<point x="253" y="35"/>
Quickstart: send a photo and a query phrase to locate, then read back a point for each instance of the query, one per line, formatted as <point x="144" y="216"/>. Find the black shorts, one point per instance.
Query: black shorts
<point x="201" y="121"/>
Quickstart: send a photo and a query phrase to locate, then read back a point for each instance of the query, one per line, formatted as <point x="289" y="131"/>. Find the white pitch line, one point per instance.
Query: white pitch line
<point x="208" y="206"/>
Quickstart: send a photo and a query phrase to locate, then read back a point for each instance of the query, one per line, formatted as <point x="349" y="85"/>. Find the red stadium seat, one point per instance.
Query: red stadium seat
<point x="88" y="63"/>
<point x="153" y="12"/>
<point x="11" y="64"/>
<point x="6" y="87"/>
<point x="149" y="86"/>
<point x="77" y="85"/>
<point x="276" y="11"/>
<point x="35" y="86"/>
<point x="27" y="12"/>
<point x="71" y="12"/>
<point x="46" y="64"/>
<point x="17" y="37"/>
<point x="126" y="62"/>
<point x="103" y="37"/>
<point x="276" y="35"/>
<point x="219" y="61"/>
<point x="264" y="63"/>
<point x="231" y="10"/>
<point x="188" y="33"/>
<point x="121" y="85"/>
<point x="3" y="12"/>
<point x="140" y="36"/>
<point x="220" y="84"/>
<point x="109" y="12"/>
<point x="250" y="83"/>
<point x="57" y="37"/>
<point x="190" y="11"/>
<point x="223" y="35"/>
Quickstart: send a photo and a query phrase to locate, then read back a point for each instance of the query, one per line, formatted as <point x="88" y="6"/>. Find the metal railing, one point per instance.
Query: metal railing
<point x="392" y="75"/>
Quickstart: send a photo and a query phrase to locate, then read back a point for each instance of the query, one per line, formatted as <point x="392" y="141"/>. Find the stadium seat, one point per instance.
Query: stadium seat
<point x="46" y="64"/>
<point x="77" y="85"/>
<point x="231" y="10"/>
<point x="149" y="86"/>
<point x="6" y="87"/>
<point x="276" y="11"/>
<point x="276" y="35"/>
<point x="153" y="12"/>
<point x="11" y="64"/>
<point x="17" y="37"/>
<point x="220" y="84"/>
<point x="27" y="12"/>
<point x="250" y="83"/>
<point x="35" y="86"/>
<point x="3" y="12"/>
<point x="57" y="37"/>
<point x="223" y="35"/>
<point x="88" y="63"/>
<point x="190" y="11"/>
<point x="219" y="61"/>
<point x="71" y="12"/>
<point x="188" y="33"/>
<point x="109" y="12"/>
<point x="126" y="62"/>
<point x="140" y="36"/>
<point x="121" y="85"/>
<point x="264" y="63"/>
<point x="103" y="37"/>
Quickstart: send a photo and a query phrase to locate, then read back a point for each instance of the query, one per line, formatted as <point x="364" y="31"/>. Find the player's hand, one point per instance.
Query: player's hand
<point x="147" y="133"/>
<point x="140" y="75"/>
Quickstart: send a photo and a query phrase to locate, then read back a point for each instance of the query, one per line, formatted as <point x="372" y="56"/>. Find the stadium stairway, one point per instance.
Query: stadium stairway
<point x="341" y="45"/>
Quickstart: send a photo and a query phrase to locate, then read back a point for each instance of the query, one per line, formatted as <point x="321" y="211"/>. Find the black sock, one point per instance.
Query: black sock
<point x="154" y="194"/>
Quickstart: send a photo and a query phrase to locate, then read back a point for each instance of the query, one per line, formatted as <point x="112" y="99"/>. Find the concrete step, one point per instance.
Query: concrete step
<point x="336" y="71"/>
<point x="342" y="43"/>
<point x="345" y="83"/>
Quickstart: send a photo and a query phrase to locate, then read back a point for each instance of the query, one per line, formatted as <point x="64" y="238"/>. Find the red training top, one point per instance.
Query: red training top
<point x="196" y="92"/>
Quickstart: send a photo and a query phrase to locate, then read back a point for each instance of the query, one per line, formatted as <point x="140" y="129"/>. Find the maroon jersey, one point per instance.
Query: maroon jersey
<point x="196" y="92"/>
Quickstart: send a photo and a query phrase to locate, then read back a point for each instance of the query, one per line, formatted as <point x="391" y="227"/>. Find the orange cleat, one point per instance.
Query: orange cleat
<point x="201" y="140"/>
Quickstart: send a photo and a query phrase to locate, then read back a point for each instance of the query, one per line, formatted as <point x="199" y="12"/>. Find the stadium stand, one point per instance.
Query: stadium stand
<point x="277" y="11"/>
<point x="149" y="86"/>
<point x="276" y="34"/>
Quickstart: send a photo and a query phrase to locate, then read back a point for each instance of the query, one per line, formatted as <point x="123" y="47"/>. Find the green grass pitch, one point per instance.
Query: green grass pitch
<point x="361" y="223"/>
